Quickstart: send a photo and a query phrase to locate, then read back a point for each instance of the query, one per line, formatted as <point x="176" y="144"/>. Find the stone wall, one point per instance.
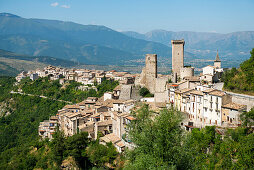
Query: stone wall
<point x="186" y="72"/>
<point x="243" y="99"/>
<point x="161" y="93"/>
<point x="125" y="93"/>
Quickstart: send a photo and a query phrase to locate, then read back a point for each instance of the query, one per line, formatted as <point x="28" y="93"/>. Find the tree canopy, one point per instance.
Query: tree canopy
<point x="242" y="79"/>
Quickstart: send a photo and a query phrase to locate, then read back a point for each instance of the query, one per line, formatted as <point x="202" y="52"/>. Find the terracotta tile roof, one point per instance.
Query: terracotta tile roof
<point x="193" y="78"/>
<point x="108" y="103"/>
<point x="92" y="98"/>
<point x="111" y="138"/>
<point x="72" y="107"/>
<point x="234" y="106"/>
<point x="118" y="87"/>
<point x="217" y="93"/>
<point x="208" y="90"/>
<point x="130" y="118"/>
<point x="104" y="123"/>
<point x="77" y="114"/>
<point x="95" y="115"/>
<point x="196" y="92"/>
<point x="118" y="101"/>
<point x="53" y="118"/>
<point x="183" y="91"/>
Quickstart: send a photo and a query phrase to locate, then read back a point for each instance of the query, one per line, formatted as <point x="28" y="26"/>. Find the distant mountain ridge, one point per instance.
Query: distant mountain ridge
<point x="12" y="63"/>
<point x="205" y="44"/>
<point x="90" y="44"/>
<point x="94" y="44"/>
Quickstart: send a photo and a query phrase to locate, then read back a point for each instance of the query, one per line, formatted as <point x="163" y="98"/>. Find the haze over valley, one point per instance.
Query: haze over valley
<point x="100" y="45"/>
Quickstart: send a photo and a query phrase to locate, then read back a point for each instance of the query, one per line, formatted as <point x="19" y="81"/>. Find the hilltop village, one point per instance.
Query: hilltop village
<point x="107" y="117"/>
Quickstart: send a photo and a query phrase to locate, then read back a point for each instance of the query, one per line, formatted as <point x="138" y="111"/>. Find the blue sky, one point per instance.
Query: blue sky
<point x="222" y="16"/>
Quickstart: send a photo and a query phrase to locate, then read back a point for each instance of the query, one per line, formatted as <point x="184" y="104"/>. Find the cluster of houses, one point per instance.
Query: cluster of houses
<point x="107" y="118"/>
<point x="205" y="106"/>
<point x="84" y="76"/>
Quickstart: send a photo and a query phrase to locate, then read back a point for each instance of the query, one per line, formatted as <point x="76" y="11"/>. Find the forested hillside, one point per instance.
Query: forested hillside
<point x="160" y="141"/>
<point x="241" y="80"/>
<point x="20" y="115"/>
<point x="162" y="144"/>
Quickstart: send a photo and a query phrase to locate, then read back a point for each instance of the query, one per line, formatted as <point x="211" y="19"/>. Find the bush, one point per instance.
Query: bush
<point x="144" y="92"/>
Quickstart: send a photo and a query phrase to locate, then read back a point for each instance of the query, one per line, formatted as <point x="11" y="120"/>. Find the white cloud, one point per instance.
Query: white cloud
<point x="54" y="4"/>
<point x="65" y="6"/>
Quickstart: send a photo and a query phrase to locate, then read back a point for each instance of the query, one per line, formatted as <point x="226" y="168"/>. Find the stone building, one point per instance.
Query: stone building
<point x="149" y="73"/>
<point x="177" y="56"/>
<point x="186" y="72"/>
<point x="217" y="62"/>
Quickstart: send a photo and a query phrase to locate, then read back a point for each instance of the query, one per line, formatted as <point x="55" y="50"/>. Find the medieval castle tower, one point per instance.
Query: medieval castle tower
<point x="149" y="73"/>
<point x="177" y="56"/>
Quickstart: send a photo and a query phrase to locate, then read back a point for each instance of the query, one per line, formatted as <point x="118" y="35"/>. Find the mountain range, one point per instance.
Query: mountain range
<point x="205" y="44"/>
<point x="90" y="44"/>
<point x="95" y="44"/>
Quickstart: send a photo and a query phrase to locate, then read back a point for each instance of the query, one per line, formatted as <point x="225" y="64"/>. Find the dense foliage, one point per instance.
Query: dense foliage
<point x="100" y="154"/>
<point x="241" y="79"/>
<point x="6" y="84"/>
<point x="18" y="130"/>
<point x="144" y="92"/>
<point x="162" y="144"/>
<point x="158" y="141"/>
<point x="19" y="121"/>
<point x="66" y="92"/>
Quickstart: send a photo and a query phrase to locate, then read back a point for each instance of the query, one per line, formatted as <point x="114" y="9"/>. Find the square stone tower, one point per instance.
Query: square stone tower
<point x="151" y="71"/>
<point x="177" y="56"/>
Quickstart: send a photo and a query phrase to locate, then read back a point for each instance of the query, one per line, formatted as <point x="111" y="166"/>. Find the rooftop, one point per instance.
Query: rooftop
<point x="234" y="106"/>
<point x="217" y="93"/>
<point x="196" y="92"/>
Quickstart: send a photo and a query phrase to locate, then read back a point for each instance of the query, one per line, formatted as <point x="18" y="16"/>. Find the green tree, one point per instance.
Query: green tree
<point x="58" y="147"/>
<point x="100" y="154"/>
<point x="248" y="118"/>
<point x="157" y="138"/>
<point x="76" y="147"/>
<point x="144" y="92"/>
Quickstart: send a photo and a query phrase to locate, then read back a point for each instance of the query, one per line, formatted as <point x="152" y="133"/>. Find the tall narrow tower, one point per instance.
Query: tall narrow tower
<point x="177" y="56"/>
<point x="151" y="71"/>
<point x="217" y="62"/>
